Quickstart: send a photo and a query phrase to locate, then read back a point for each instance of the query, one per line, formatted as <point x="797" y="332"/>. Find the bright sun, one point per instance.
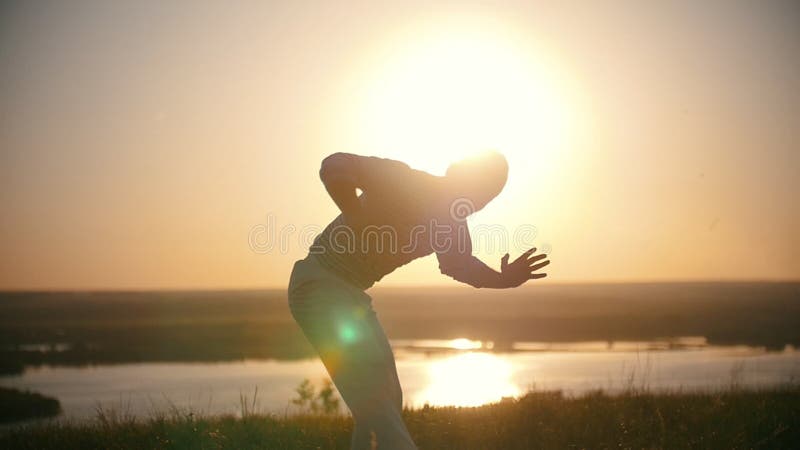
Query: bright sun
<point x="439" y="96"/>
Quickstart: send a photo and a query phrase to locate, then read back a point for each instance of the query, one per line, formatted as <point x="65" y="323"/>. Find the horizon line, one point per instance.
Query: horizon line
<point x="398" y="286"/>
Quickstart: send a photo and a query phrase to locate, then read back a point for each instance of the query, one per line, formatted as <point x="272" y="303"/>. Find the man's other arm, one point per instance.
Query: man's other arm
<point x="458" y="262"/>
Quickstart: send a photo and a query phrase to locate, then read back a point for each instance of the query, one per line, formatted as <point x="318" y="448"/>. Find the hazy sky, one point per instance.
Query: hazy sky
<point x="143" y="144"/>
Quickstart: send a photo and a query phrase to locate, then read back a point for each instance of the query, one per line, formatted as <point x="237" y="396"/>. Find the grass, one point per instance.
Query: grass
<point x="727" y="419"/>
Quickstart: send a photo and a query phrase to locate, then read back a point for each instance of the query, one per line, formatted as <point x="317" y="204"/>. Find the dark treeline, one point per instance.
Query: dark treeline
<point x="115" y="327"/>
<point x="23" y="405"/>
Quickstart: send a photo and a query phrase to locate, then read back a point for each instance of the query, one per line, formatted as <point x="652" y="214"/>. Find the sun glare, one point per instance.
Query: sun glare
<point x="465" y="344"/>
<point x="468" y="379"/>
<point x="443" y="95"/>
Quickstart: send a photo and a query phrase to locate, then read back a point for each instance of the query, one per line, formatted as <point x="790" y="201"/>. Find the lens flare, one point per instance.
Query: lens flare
<point x="348" y="333"/>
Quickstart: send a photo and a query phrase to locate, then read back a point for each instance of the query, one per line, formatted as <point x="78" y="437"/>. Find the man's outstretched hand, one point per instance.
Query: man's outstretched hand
<point x="523" y="268"/>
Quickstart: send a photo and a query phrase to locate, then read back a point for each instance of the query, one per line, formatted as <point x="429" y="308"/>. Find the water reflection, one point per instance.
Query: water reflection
<point x="468" y="379"/>
<point x="461" y="372"/>
<point x="441" y="344"/>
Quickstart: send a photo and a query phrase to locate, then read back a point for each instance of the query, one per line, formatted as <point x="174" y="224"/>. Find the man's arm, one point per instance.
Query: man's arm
<point x="459" y="263"/>
<point x="339" y="173"/>
<point x="342" y="173"/>
<point x="475" y="273"/>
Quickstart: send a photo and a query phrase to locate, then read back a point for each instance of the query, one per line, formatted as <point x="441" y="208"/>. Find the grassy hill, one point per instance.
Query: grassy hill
<point x="728" y="419"/>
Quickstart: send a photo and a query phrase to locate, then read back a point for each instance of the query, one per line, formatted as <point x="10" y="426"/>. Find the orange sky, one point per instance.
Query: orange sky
<point x="141" y="145"/>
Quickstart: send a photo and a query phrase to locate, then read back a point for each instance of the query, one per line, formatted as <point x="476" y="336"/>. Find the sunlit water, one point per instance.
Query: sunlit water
<point x="459" y="372"/>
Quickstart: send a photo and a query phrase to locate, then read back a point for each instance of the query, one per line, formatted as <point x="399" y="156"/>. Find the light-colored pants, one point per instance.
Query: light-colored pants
<point x="338" y="319"/>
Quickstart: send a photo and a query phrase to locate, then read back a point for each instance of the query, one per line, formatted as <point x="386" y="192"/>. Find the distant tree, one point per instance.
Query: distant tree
<point x="327" y="396"/>
<point x="325" y="401"/>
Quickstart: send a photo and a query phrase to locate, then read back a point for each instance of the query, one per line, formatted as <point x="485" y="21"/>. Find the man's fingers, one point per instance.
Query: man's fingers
<point x="525" y="255"/>
<point x="536" y="267"/>
<point x="536" y="258"/>
<point x="536" y="276"/>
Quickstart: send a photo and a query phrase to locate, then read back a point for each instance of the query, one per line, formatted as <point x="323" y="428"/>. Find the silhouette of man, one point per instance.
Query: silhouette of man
<point x="401" y="214"/>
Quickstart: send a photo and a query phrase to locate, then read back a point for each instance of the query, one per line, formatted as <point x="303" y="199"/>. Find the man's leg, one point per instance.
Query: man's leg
<point x="373" y="389"/>
<point x="341" y="324"/>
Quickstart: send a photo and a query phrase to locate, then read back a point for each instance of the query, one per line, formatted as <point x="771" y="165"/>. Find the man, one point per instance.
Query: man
<point x="402" y="214"/>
